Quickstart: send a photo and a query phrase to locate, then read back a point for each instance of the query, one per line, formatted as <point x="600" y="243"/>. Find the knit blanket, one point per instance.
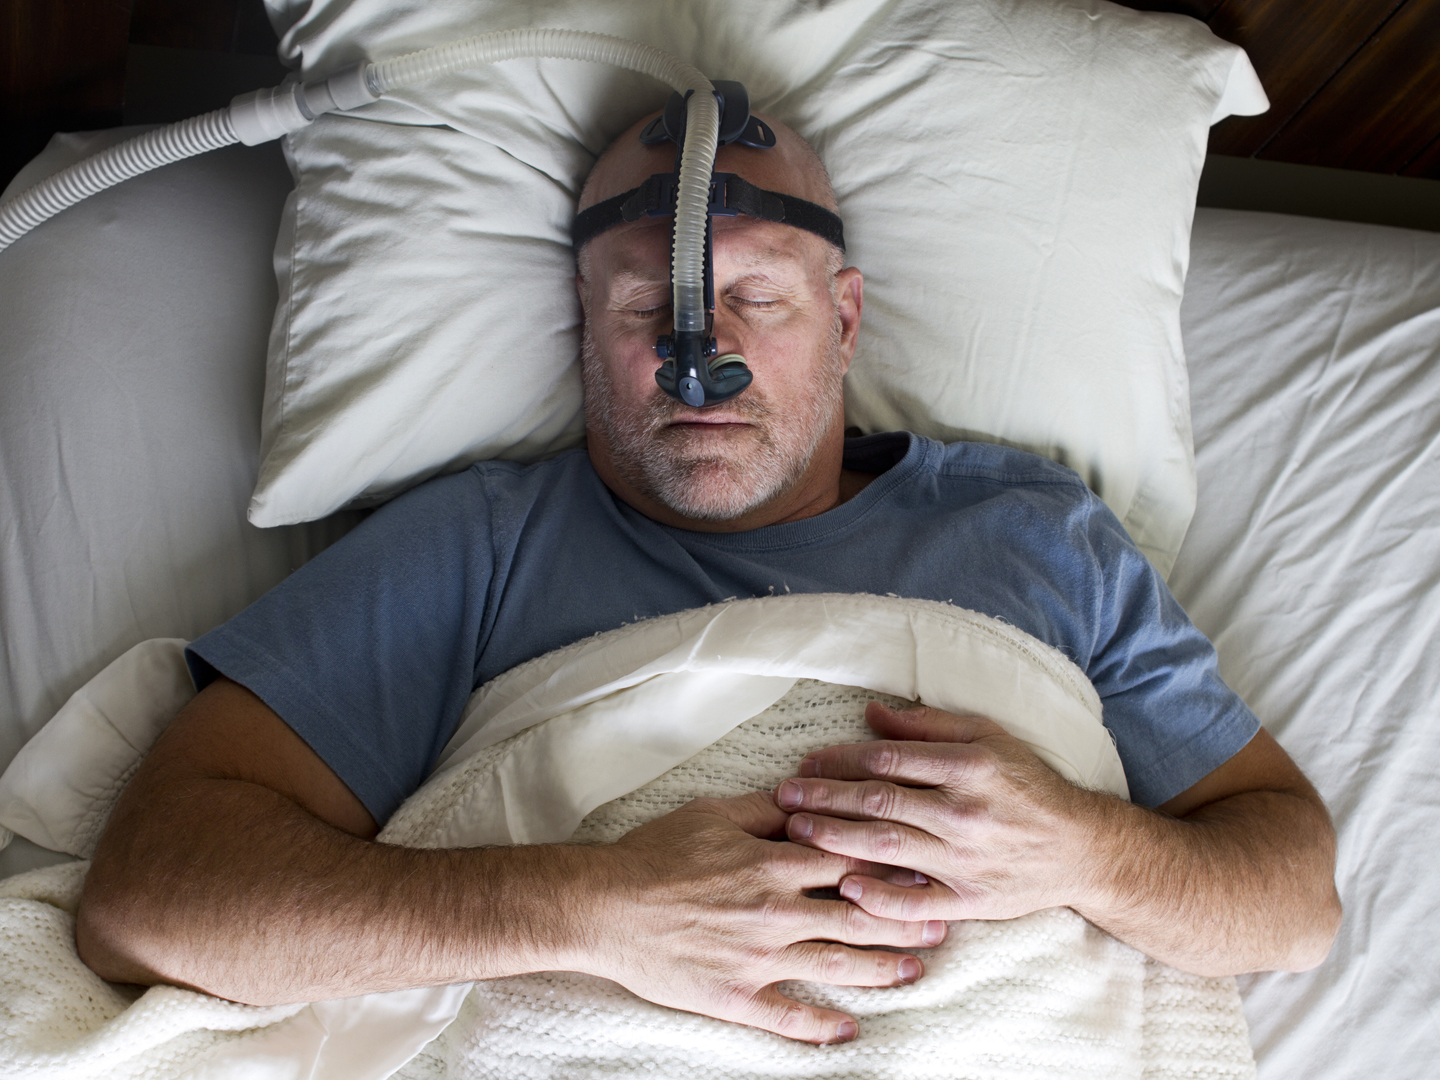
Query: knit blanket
<point x="594" y="740"/>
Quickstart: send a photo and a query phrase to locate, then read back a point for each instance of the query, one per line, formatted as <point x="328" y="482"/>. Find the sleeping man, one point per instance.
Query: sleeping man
<point x="240" y="859"/>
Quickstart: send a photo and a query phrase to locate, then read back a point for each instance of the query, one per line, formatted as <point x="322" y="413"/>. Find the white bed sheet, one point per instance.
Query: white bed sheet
<point x="1313" y="562"/>
<point x="130" y="382"/>
<point x="132" y="364"/>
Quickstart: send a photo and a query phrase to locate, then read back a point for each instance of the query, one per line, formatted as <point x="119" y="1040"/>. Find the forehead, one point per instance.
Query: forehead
<point x="788" y="167"/>
<point x="638" y="254"/>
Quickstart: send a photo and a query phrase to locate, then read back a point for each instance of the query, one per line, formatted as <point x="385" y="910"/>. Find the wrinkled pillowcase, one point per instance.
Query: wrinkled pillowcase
<point x="1017" y="182"/>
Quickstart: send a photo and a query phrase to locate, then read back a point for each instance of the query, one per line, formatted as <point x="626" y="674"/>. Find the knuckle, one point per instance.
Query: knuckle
<point x="911" y="907"/>
<point x="877" y="799"/>
<point x="887" y="966"/>
<point x="881" y="758"/>
<point x="772" y="911"/>
<point x="888" y="840"/>
<point x="986" y="761"/>
<point x="973" y="765"/>
<point x="792" y="1019"/>
<point x="834" y="963"/>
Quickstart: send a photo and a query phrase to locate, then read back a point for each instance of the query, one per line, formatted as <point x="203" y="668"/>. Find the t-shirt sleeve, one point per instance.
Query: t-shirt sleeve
<point x="368" y="651"/>
<point x="1173" y="718"/>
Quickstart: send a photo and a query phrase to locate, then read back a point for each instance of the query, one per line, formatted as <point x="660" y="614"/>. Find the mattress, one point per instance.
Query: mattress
<point x="1313" y="563"/>
<point x="130" y="387"/>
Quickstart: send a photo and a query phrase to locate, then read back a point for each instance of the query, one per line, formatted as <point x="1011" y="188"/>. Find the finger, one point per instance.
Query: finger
<point x="755" y="813"/>
<point x="863" y="800"/>
<point x="897" y="905"/>
<point x="888" y="842"/>
<point x="771" y="1010"/>
<point x="910" y="762"/>
<point x="901" y="754"/>
<point x="840" y="965"/>
<point x="843" y="922"/>
<point x="803" y="867"/>
<point x="900" y="876"/>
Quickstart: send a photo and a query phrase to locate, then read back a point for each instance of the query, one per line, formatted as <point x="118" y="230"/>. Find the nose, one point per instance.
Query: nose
<point x="728" y="331"/>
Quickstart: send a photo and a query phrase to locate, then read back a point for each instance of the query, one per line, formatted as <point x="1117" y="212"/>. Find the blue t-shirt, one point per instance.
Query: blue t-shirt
<point x="370" y="650"/>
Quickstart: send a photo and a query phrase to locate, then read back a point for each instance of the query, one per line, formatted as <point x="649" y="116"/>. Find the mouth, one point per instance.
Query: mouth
<point x="707" y="420"/>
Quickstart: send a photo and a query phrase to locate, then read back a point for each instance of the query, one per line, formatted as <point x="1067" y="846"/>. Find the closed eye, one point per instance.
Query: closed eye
<point x="758" y="305"/>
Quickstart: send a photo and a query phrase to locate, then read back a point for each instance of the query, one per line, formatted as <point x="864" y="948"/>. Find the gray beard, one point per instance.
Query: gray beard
<point x="709" y="485"/>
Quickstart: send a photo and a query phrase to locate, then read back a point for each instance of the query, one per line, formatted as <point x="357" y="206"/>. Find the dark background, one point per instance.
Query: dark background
<point x="1353" y="130"/>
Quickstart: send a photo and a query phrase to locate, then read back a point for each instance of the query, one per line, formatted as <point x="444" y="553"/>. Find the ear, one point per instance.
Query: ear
<point x="849" y="301"/>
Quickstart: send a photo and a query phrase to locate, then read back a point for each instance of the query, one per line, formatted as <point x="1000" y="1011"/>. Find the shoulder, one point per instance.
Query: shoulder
<point x="1041" y="506"/>
<point x="1010" y="466"/>
<point x="1007" y="482"/>
<point x="492" y="482"/>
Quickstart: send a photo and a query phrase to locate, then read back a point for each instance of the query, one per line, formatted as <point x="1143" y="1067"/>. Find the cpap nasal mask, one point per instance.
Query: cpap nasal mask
<point x="699" y="117"/>
<point x="692" y="373"/>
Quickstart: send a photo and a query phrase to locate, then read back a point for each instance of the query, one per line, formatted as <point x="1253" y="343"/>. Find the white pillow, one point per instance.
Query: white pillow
<point x="1017" y="181"/>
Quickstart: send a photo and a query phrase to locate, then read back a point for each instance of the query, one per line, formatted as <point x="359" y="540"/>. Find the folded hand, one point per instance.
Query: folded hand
<point x="701" y="911"/>
<point x="989" y="829"/>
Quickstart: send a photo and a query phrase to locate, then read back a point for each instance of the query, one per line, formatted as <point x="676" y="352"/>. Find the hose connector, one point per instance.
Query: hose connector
<point x="347" y="89"/>
<point x="263" y="115"/>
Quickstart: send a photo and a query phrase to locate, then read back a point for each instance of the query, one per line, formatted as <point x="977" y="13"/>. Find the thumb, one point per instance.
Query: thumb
<point x="755" y="813"/>
<point x="925" y="724"/>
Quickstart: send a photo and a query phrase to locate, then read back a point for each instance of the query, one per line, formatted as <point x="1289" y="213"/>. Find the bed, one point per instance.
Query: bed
<point x="1312" y="559"/>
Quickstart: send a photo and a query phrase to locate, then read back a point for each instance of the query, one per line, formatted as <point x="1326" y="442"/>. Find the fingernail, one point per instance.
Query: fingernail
<point x="846" y="1031"/>
<point x="934" y="932"/>
<point x="909" y="970"/>
<point x="920" y="879"/>
<point x="789" y="795"/>
<point x="850" y="889"/>
<point x="809" y="767"/>
<point x="801" y="826"/>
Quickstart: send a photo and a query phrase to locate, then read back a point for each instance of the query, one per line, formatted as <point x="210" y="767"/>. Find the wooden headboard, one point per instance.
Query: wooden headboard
<point x="1353" y="84"/>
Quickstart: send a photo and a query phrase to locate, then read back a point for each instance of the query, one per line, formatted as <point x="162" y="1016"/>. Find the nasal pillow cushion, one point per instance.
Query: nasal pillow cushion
<point x="1017" y="180"/>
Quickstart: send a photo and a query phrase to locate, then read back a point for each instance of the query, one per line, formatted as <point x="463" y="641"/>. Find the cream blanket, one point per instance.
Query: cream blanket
<point x="587" y="743"/>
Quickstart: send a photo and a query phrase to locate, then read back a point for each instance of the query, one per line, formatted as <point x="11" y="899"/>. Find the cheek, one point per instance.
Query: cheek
<point x="794" y="356"/>
<point x="628" y="354"/>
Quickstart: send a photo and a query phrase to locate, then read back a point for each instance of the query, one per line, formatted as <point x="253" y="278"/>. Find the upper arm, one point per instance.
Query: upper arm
<point x="1260" y="765"/>
<point x="227" y="733"/>
<point x="369" y="650"/>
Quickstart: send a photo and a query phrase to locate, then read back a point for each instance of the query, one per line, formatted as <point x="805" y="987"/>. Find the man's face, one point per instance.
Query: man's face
<point x="774" y="306"/>
<point x="778" y="303"/>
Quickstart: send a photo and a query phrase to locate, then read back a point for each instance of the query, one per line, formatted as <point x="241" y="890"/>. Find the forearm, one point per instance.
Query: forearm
<point x="1244" y="884"/>
<point x="231" y="888"/>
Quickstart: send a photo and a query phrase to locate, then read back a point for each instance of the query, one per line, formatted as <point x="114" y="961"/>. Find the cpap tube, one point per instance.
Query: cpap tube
<point x="263" y="115"/>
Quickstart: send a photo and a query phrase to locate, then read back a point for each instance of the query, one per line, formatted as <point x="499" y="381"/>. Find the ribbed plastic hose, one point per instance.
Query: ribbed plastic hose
<point x="212" y="130"/>
<point x="702" y="124"/>
<point x="109" y="167"/>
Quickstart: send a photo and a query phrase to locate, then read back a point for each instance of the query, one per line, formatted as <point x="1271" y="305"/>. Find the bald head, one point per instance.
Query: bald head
<point x="783" y="301"/>
<point x="790" y="167"/>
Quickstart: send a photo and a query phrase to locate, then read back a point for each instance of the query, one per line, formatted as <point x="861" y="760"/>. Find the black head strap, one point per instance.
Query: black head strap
<point x="729" y="195"/>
